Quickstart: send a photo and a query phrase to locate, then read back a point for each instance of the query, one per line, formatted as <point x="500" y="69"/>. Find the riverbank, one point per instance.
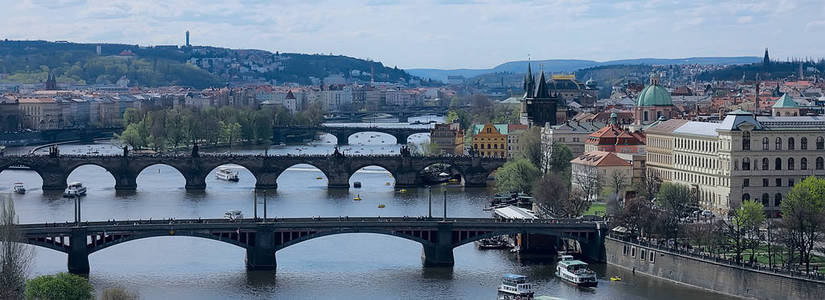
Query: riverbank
<point x="710" y="274"/>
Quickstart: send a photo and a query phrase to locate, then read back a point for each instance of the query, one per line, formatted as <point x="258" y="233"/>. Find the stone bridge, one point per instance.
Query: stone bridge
<point x="405" y="169"/>
<point x="262" y="238"/>
<point x="342" y="133"/>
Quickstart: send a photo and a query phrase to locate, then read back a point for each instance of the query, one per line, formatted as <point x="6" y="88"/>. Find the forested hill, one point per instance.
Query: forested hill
<point x="197" y="66"/>
<point x="773" y="71"/>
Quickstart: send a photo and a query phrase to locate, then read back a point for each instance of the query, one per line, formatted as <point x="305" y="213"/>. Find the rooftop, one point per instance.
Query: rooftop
<point x="600" y="158"/>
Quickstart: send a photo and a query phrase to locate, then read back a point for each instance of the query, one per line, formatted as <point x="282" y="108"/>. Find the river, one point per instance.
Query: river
<point x="347" y="266"/>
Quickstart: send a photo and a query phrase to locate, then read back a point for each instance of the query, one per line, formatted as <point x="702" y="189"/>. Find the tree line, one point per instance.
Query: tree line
<point x="666" y="213"/>
<point x="166" y="129"/>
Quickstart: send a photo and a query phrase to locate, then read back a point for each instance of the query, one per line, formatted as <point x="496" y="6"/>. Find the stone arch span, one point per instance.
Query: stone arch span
<point x="115" y="173"/>
<point x="192" y="181"/>
<point x="378" y="132"/>
<point x="43" y="175"/>
<point x="358" y="167"/>
<point x="451" y="166"/>
<point x="100" y="241"/>
<point x="299" y="163"/>
<point x="464" y="237"/>
<point x="212" y="169"/>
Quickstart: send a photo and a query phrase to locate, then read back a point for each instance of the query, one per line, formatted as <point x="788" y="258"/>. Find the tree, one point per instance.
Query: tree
<point x="743" y="228"/>
<point x="549" y="193"/>
<point x="588" y="180"/>
<point x="637" y="216"/>
<point x="530" y="145"/>
<point x="430" y="149"/>
<point x="803" y="216"/>
<point x="15" y="257"/>
<point x="63" y="286"/>
<point x="131" y="116"/>
<point x="675" y="201"/>
<point x="175" y="132"/>
<point x="617" y="180"/>
<point x="560" y="159"/>
<point x="648" y="186"/>
<point x="577" y="203"/>
<point x="460" y="117"/>
<point x="131" y="137"/>
<point x="516" y="176"/>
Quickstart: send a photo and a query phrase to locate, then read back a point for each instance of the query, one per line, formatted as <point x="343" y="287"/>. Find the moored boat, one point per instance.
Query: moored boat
<point x="575" y="272"/>
<point x="492" y="243"/>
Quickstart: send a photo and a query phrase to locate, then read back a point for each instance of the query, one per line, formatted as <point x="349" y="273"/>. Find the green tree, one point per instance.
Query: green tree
<point x="131" y="116"/>
<point x="743" y="228"/>
<point x="517" y="176"/>
<point x="131" y="136"/>
<point x="530" y="145"/>
<point x="63" y="286"/>
<point x="263" y="127"/>
<point x="431" y="149"/>
<point x="119" y="293"/>
<point x="15" y="257"/>
<point x="803" y="216"/>
<point x="175" y="132"/>
<point x="560" y="158"/>
<point x="637" y="216"/>
<point x="459" y="116"/>
<point x="675" y="201"/>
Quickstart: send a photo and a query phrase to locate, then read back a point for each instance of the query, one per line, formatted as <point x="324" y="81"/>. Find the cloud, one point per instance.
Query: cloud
<point x="435" y="33"/>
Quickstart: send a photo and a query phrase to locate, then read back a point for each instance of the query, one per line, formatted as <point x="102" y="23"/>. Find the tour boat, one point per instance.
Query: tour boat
<point x="75" y="189"/>
<point x="516" y="285"/>
<point x="491" y="243"/>
<point x="575" y="272"/>
<point x="19" y="188"/>
<point x="227" y="174"/>
<point x="233" y="215"/>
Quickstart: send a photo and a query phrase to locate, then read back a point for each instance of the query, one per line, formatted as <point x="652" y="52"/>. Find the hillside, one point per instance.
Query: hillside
<point x="776" y="70"/>
<point x="572" y="65"/>
<point x="197" y="66"/>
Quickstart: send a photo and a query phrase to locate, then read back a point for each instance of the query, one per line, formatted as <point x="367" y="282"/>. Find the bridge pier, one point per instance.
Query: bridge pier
<point x="53" y="182"/>
<point x="266" y="180"/>
<point x="195" y="182"/>
<point x="401" y="138"/>
<point x="337" y="181"/>
<point x="440" y="253"/>
<point x="406" y="180"/>
<point x="342" y="138"/>
<point x="125" y="183"/>
<point x="78" y="262"/>
<point x="261" y="256"/>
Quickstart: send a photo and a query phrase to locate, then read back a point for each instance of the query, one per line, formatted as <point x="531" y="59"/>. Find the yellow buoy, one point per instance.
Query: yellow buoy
<point x="381" y="206"/>
<point x="357" y="197"/>
<point x="402" y="191"/>
<point x="615" y="278"/>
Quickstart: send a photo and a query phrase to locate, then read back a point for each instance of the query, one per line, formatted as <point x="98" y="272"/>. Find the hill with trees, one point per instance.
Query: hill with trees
<point x="771" y="71"/>
<point x="194" y="66"/>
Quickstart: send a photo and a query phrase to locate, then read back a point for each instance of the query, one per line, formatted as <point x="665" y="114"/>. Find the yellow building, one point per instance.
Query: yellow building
<point x="490" y="140"/>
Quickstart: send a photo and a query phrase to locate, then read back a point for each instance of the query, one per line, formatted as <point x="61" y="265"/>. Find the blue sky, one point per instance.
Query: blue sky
<point x="438" y="33"/>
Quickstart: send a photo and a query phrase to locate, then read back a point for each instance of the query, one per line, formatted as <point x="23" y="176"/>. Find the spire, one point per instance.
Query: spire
<point x="541" y="88"/>
<point x="529" y="83"/>
<point x="767" y="60"/>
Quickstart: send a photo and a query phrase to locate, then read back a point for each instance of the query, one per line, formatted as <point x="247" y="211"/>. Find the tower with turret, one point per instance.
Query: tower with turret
<point x="538" y="106"/>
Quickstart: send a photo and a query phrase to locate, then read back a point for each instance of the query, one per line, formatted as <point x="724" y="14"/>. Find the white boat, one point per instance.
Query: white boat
<point x="233" y="215"/>
<point x="19" y="188"/>
<point x="227" y="174"/>
<point x="575" y="272"/>
<point x="516" y="285"/>
<point x="75" y="189"/>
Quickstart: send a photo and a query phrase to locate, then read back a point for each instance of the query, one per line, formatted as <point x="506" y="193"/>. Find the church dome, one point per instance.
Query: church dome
<point x="654" y="94"/>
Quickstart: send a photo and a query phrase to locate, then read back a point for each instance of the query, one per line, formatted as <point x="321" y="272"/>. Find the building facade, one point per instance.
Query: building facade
<point x="742" y="158"/>
<point x="592" y="171"/>
<point x="514" y="132"/>
<point x="490" y="140"/>
<point x="448" y="138"/>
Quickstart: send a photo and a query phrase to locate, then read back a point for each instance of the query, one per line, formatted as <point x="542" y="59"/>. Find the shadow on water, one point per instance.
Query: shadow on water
<point x="125" y="193"/>
<point x="261" y="279"/>
<point x="445" y="273"/>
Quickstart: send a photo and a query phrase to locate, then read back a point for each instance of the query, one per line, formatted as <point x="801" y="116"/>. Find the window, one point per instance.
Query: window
<point x="764" y="182"/>
<point x="790" y="163"/>
<point x="765" y="200"/>
<point x="778" y="144"/>
<point x="790" y="182"/>
<point x="764" y="163"/>
<point x="645" y="116"/>
<point x="746" y="140"/>
<point x="746" y="182"/>
<point x="779" y="182"/>
<point x="819" y="163"/>
<point x="642" y="255"/>
<point x="632" y="251"/>
<point x="652" y="256"/>
<point x="746" y="196"/>
<point x="803" y="164"/>
<point x="803" y="143"/>
<point x="765" y="143"/>
<point x="777" y="199"/>
<point x="624" y="250"/>
<point x="820" y="143"/>
<point x="777" y="164"/>
<point x="746" y="163"/>
<point x="791" y="145"/>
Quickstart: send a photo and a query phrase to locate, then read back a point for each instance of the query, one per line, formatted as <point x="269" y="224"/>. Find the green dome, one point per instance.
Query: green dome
<point x="654" y="95"/>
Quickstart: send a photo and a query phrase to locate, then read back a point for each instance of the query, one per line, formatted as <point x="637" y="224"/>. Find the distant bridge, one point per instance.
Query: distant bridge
<point x="262" y="239"/>
<point x="338" y="168"/>
<point x="342" y="133"/>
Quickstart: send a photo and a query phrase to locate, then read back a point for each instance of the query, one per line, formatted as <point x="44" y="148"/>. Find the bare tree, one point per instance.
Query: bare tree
<point x="617" y="181"/>
<point x="577" y="203"/>
<point x="15" y="257"/>
<point x="588" y="180"/>
<point x="550" y="192"/>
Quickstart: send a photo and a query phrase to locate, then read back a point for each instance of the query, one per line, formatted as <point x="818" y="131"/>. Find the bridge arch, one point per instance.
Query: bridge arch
<point x="240" y="239"/>
<point x="426" y="238"/>
<point x="148" y="175"/>
<point x="90" y="168"/>
<point x="363" y="170"/>
<point x="7" y="177"/>
<point x="304" y="171"/>
<point x="370" y="135"/>
<point x="441" y="167"/>
<point x="488" y="234"/>
<point x="246" y="178"/>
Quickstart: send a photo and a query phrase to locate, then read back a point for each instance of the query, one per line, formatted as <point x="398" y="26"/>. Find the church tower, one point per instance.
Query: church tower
<point x="51" y="82"/>
<point x="538" y="106"/>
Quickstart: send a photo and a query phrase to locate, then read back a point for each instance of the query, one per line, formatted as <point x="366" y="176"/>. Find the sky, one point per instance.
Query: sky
<point x="443" y="34"/>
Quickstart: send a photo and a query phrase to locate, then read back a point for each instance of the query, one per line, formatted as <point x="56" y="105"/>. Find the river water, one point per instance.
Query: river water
<point x="347" y="266"/>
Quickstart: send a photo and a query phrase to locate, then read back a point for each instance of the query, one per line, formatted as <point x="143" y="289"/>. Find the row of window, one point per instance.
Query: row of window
<point x="777" y="164"/>
<point x="644" y="254"/>
<point x="702" y="162"/>
<point x="494" y="146"/>
<point x="765" y="182"/>
<point x="803" y="143"/>
<point x="766" y="199"/>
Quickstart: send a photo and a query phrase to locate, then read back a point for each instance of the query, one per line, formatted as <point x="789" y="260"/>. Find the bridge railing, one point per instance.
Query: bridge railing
<point x="241" y="156"/>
